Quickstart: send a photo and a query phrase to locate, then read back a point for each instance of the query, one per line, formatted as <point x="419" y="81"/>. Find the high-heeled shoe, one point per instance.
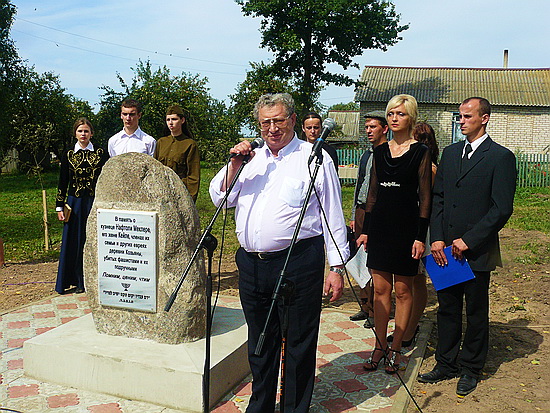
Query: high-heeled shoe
<point x="370" y="364"/>
<point x="406" y="343"/>
<point x="392" y="365"/>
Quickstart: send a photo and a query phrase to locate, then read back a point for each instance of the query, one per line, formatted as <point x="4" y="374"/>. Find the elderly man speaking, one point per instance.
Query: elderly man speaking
<point x="268" y="198"/>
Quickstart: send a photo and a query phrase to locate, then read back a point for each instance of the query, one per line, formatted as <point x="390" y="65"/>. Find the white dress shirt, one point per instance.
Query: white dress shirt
<point x="269" y="194"/>
<point x="475" y="144"/>
<point x="138" y="141"/>
<point x="89" y="147"/>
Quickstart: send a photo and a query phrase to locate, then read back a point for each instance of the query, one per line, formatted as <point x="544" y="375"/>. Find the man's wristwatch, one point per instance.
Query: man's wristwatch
<point x="337" y="270"/>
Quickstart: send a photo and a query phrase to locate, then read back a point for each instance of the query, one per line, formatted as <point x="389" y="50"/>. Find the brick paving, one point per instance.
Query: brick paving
<point x="341" y="383"/>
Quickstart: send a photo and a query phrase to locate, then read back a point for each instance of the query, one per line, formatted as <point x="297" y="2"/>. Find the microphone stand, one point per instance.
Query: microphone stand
<point x="284" y="289"/>
<point x="210" y="243"/>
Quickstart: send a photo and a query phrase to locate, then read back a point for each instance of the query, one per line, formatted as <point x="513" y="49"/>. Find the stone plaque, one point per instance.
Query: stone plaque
<point x="127" y="263"/>
<point x="130" y="183"/>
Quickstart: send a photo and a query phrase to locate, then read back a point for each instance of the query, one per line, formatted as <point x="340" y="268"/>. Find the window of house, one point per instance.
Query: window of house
<point x="457" y="133"/>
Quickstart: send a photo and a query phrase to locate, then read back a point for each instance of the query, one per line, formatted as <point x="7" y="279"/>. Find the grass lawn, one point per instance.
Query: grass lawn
<point x="531" y="210"/>
<point x="21" y="215"/>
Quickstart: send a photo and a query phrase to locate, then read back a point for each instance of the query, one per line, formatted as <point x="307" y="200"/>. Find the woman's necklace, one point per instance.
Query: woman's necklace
<point x="400" y="149"/>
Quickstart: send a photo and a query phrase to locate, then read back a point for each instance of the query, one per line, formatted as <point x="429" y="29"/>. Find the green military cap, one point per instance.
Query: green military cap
<point x="174" y="110"/>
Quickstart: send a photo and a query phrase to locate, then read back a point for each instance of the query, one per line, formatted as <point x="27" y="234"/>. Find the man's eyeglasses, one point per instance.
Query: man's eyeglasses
<point x="278" y="122"/>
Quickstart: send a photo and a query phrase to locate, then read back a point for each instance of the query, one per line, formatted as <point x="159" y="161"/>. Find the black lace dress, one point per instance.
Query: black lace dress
<point x="398" y="208"/>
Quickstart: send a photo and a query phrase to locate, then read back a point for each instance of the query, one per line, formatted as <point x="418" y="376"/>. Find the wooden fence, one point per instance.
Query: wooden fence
<point x="349" y="162"/>
<point x="349" y="157"/>
<point x="533" y="169"/>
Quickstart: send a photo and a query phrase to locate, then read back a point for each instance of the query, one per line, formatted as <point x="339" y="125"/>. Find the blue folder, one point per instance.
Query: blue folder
<point x="455" y="272"/>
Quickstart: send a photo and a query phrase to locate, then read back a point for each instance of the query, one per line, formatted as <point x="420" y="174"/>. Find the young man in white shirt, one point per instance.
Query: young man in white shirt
<point x="131" y="138"/>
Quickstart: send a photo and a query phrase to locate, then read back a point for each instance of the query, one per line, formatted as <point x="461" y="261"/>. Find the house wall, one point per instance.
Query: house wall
<point x="520" y="129"/>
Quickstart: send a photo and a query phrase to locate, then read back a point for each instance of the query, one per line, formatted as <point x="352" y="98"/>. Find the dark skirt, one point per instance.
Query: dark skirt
<point x="71" y="268"/>
<point x="391" y="240"/>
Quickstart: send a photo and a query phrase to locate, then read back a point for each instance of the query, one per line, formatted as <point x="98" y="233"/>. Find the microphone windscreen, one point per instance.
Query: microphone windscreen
<point x="329" y="123"/>
<point x="257" y="143"/>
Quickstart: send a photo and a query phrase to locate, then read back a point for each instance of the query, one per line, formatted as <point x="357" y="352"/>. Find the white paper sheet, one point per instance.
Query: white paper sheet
<point x="357" y="267"/>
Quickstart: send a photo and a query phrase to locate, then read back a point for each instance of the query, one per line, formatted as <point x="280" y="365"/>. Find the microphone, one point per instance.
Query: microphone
<point x="328" y="126"/>
<point x="256" y="143"/>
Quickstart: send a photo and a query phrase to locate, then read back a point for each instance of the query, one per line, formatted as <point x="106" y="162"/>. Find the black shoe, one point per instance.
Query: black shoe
<point x="405" y="343"/>
<point x="466" y="385"/>
<point x="392" y="365"/>
<point x="360" y="315"/>
<point x="79" y="291"/>
<point x="435" y="376"/>
<point x="369" y="322"/>
<point x="370" y="364"/>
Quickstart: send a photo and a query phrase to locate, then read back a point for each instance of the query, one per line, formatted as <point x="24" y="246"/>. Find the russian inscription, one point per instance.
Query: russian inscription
<point x="127" y="263"/>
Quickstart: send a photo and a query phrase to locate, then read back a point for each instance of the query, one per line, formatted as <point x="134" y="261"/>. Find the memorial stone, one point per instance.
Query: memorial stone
<point x="148" y="229"/>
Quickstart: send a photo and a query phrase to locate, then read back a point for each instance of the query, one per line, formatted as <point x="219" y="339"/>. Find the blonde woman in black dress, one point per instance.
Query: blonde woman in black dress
<point x="395" y="226"/>
<point x="80" y="168"/>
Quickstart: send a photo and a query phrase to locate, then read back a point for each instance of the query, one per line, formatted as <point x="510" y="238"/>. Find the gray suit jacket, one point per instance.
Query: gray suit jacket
<point x="475" y="204"/>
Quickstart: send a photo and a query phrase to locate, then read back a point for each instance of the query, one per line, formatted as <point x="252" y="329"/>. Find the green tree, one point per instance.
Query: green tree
<point x="36" y="114"/>
<point x="10" y="64"/>
<point x="43" y="116"/>
<point x="307" y="35"/>
<point x="9" y="60"/>
<point x="344" y="106"/>
<point x="261" y="79"/>
<point x="213" y="128"/>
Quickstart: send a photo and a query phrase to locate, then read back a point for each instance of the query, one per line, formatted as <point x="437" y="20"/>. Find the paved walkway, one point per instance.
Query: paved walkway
<point x="342" y="384"/>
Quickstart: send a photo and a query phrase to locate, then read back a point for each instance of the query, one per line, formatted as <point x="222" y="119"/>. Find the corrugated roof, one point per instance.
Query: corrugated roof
<point x="510" y="87"/>
<point x="348" y="120"/>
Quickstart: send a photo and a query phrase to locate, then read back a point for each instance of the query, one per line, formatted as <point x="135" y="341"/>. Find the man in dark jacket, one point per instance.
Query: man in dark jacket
<point x="473" y="199"/>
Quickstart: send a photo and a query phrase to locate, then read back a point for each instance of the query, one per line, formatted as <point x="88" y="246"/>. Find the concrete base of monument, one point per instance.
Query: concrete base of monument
<point x="75" y="355"/>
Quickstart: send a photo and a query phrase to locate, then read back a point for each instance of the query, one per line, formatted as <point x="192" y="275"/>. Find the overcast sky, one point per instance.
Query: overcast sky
<point x="87" y="42"/>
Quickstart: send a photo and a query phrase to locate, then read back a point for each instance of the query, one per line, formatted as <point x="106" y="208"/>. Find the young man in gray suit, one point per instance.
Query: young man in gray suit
<point x="473" y="199"/>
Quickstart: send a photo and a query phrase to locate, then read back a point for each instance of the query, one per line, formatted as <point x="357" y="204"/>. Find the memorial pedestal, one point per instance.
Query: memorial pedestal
<point x="75" y="355"/>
